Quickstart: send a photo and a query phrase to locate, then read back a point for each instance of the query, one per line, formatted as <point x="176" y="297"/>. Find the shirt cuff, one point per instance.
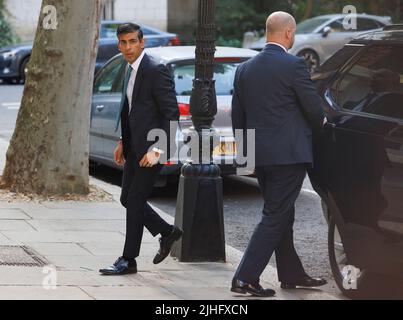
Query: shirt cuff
<point x="158" y="150"/>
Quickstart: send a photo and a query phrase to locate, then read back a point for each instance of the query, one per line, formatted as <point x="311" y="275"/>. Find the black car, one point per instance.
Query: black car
<point x="358" y="169"/>
<point x="14" y="59"/>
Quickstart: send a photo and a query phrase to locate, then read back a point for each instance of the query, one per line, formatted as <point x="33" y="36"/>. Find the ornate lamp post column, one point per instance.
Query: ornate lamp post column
<point x="199" y="210"/>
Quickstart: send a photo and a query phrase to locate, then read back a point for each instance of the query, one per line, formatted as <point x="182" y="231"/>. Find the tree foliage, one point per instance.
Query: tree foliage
<point x="6" y="35"/>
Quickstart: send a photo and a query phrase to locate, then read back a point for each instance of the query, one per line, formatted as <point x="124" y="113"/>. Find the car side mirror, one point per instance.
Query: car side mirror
<point x="326" y="31"/>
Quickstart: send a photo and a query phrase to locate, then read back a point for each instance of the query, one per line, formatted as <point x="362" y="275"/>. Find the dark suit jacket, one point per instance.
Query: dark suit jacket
<point x="154" y="105"/>
<point x="274" y="94"/>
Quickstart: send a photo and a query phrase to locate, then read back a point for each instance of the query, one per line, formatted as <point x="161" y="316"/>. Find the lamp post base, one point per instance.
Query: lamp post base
<point x="199" y="213"/>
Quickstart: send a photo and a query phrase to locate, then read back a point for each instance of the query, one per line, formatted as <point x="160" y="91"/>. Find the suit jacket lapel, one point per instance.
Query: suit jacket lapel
<point x="123" y="101"/>
<point x="139" y="78"/>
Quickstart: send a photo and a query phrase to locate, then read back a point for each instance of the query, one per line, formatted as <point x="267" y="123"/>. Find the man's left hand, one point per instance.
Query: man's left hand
<point x="150" y="159"/>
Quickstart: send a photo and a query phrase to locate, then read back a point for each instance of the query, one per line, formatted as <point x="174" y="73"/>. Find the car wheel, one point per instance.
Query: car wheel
<point x="363" y="284"/>
<point x="311" y="59"/>
<point x="24" y="69"/>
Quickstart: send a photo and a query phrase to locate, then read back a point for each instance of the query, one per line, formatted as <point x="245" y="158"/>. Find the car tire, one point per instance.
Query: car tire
<point x="23" y="69"/>
<point x="369" y="285"/>
<point x="311" y="58"/>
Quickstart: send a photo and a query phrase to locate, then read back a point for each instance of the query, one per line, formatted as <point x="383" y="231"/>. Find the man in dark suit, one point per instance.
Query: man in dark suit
<point x="274" y="95"/>
<point x="148" y="103"/>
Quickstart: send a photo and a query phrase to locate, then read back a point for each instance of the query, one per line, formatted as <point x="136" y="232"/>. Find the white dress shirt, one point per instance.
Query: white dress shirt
<point x="130" y="86"/>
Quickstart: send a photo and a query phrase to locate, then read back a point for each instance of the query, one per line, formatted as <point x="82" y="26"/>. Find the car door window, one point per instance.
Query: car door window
<point x="110" y="79"/>
<point x="337" y="26"/>
<point x="374" y="84"/>
<point x="108" y="31"/>
<point x="365" y="24"/>
<point x="310" y="25"/>
<point x="338" y="60"/>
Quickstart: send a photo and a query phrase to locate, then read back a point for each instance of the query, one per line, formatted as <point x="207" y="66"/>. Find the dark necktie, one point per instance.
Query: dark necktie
<point x="122" y="101"/>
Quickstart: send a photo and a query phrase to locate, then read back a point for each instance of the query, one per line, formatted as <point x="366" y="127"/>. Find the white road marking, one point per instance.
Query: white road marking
<point x="11" y="105"/>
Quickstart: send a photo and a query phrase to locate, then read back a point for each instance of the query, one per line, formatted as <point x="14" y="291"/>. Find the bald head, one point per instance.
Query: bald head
<point x="279" y="21"/>
<point x="280" y="28"/>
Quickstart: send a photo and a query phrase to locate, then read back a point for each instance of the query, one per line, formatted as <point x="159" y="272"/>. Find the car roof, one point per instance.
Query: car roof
<point x="140" y="24"/>
<point x="175" y="53"/>
<point x="388" y="36"/>
<point x="360" y="15"/>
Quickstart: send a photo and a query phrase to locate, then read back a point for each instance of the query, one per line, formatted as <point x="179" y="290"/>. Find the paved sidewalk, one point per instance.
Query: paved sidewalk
<point x="79" y="238"/>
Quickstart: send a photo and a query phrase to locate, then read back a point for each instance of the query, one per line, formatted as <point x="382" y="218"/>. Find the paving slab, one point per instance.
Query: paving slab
<point x="63" y="249"/>
<point x="63" y="236"/>
<point x="130" y="293"/>
<point x="39" y="293"/>
<point x="13" y="214"/>
<point x="40" y="212"/>
<point x="77" y="225"/>
<point x="15" y="225"/>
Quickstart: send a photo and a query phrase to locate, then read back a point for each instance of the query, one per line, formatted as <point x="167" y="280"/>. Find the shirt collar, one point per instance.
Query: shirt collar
<point x="277" y="44"/>
<point x="136" y="64"/>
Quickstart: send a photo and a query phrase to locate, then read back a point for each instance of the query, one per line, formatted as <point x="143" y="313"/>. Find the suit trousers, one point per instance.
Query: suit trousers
<point x="137" y="186"/>
<point x="280" y="186"/>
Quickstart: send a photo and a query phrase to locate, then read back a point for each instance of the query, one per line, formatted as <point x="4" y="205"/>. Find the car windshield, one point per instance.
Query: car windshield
<point x="108" y="31"/>
<point x="309" y="26"/>
<point x="224" y="73"/>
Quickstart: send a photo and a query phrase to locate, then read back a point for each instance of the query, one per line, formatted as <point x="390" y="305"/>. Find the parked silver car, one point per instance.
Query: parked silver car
<point x="180" y="61"/>
<point x="317" y="39"/>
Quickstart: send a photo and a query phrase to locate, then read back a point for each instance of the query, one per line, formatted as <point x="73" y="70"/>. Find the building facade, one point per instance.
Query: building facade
<point x="23" y="14"/>
<point x="23" y="17"/>
<point x="182" y="18"/>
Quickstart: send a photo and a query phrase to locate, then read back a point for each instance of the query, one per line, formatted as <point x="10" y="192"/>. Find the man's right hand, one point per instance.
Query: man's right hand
<point x="118" y="155"/>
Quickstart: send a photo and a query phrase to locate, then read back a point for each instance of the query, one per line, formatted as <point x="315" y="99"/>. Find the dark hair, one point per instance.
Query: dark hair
<point x="129" y="28"/>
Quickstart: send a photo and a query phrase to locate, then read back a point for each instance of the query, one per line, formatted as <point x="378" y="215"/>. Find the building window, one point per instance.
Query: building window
<point x="108" y="12"/>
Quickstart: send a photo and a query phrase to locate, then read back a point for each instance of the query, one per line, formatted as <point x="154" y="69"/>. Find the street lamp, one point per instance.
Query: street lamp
<point x="199" y="209"/>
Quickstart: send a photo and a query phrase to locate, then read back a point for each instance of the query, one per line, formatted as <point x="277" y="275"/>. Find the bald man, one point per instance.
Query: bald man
<point x="274" y="94"/>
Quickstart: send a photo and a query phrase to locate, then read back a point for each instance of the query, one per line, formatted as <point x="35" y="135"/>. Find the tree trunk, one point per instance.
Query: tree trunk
<point x="308" y="10"/>
<point x="48" y="153"/>
<point x="374" y="7"/>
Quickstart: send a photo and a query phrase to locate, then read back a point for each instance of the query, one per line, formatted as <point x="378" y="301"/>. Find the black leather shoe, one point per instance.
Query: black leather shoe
<point x="239" y="286"/>
<point x="307" y="282"/>
<point x="166" y="244"/>
<point x="120" y="267"/>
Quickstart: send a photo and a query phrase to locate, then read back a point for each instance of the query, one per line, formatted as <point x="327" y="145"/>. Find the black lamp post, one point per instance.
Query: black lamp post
<point x="199" y="210"/>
